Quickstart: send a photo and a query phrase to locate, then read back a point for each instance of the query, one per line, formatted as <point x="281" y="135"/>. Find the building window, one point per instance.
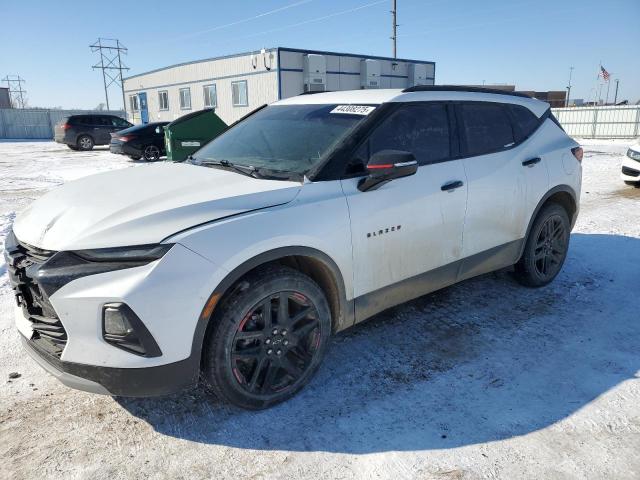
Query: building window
<point x="210" y="98"/>
<point x="133" y="103"/>
<point x="185" y="98"/>
<point x="163" y="100"/>
<point x="239" y="93"/>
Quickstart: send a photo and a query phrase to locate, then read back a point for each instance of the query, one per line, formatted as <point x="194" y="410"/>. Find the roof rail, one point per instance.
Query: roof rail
<point x="313" y="93"/>
<point x="461" y="88"/>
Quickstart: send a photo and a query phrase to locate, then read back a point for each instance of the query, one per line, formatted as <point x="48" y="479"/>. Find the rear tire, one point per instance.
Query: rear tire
<point x="267" y="339"/>
<point x="85" y="142"/>
<point x="151" y="153"/>
<point x="546" y="247"/>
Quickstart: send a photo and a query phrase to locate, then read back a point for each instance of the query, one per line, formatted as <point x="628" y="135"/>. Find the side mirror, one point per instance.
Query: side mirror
<point x="387" y="165"/>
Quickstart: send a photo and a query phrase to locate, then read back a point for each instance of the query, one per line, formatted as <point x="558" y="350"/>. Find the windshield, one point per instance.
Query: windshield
<point x="289" y="138"/>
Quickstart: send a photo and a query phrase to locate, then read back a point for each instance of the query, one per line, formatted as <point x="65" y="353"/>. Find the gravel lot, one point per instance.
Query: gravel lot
<point x="485" y="379"/>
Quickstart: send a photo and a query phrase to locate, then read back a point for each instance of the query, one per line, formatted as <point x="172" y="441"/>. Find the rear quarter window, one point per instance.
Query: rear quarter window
<point x="486" y="128"/>
<point x="524" y="121"/>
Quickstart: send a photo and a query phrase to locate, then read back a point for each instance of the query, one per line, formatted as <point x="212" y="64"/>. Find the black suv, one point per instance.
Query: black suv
<point x="82" y="132"/>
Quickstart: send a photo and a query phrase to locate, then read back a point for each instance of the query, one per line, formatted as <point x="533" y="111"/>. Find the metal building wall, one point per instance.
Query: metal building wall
<point x="343" y="71"/>
<point x="276" y="74"/>
<point x="259" y="71"/>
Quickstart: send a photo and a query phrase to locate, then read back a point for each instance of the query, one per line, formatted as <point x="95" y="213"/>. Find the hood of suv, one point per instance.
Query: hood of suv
<point x="142" y="205"/>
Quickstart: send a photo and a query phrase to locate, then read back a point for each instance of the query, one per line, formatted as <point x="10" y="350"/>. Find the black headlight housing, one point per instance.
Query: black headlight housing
<point x="64" y="267"/>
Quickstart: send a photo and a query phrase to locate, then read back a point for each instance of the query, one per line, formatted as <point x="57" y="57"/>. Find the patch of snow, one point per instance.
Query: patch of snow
<point x="485" y="379"/>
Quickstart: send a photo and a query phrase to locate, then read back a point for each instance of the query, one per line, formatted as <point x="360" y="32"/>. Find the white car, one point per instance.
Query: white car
<point x="631" y="166"/>
<point x="310" y="215"/>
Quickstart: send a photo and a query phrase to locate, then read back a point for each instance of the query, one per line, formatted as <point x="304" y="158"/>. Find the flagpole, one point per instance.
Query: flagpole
<point x="595" y="90"/>
<point x="608" y="85"/>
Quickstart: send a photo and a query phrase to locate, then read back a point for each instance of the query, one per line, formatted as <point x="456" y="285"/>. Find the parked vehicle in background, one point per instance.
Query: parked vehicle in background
<point x="140" y="141"/>
<point x="631" y="166"/>
<point x="306" y="217"/>
<point x="83" y="132"/>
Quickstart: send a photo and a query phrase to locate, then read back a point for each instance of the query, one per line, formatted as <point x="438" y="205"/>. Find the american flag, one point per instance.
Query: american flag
<point x="604" y="74"/>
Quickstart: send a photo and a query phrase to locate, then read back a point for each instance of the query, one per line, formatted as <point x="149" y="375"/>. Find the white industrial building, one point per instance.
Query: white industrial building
<point x="236" y="84"/>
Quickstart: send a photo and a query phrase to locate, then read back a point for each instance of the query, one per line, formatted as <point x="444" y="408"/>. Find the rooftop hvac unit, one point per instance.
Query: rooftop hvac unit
<point x="370" y="73"/>
<point x="417" y="74"/>
<point x="315" y="73"/>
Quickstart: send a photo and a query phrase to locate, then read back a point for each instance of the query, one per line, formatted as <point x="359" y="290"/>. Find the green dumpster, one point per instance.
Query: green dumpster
<point x="187" y="134"/>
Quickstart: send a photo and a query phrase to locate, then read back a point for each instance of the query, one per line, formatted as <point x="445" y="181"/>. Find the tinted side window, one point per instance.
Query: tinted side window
<point x="525" y="122"/>
<point x="119" y="122"/>
<point x="486" y="127"/>
<point x="83" y="120"/>
<point x="422" y="129"/>
<point x="103" y="121"/>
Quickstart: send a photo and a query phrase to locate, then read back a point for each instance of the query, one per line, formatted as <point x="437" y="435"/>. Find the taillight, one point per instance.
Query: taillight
<point x="578" y="153"/>
<point x="126" y="138"/>
<point x="65" y="126"/>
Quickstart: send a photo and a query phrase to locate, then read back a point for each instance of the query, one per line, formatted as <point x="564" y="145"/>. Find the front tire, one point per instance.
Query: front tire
<point x="85" y="142"/>
<point x="267" y="338"/>
<point x="546" y="248"/>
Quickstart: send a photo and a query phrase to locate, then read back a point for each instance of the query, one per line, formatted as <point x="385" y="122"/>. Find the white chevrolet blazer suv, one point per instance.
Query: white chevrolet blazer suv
<point x="235" y="267"/>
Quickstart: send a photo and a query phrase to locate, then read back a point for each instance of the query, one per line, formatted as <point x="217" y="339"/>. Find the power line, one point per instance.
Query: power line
<point x="244" y="20"/>
<point x="110" y="51"/>
<point x="312" y="20"/>
<point x="17" y="94"/>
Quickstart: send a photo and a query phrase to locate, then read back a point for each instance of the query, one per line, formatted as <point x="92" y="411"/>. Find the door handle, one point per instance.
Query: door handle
<point x="531" y="162"/>
<point x="451" y="185"/>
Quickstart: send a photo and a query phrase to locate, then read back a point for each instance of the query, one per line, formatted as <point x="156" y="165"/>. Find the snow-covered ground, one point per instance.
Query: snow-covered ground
<point x="485" y="379"/>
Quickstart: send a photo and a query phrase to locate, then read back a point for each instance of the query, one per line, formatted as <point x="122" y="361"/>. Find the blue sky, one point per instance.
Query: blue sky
<point x="529" y="43"/>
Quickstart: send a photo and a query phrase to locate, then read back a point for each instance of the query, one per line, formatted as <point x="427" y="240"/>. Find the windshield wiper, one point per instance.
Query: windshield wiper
<point x="248" y="170"/>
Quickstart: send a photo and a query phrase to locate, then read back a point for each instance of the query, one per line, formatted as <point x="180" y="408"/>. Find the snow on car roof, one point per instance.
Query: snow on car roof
<point x="385" y="95"/>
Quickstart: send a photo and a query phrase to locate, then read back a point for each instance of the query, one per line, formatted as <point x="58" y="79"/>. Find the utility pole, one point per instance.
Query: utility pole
<point x="615" y="97"/>
<point x="16" y="93"/>
<point x="110" y="50"/>
<point x="394" y="27"/>
<point x="566" y="103"/>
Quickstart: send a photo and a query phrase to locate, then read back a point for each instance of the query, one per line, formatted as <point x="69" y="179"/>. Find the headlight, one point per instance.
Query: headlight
<point x="633" y="155"/>
<point x="137" y="254"/>
<point x="64" y="267"/>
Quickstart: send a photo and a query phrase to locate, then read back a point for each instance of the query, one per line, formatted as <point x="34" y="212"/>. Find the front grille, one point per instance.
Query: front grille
<point x="23" y="262"/>
<point x="630" y="171"/>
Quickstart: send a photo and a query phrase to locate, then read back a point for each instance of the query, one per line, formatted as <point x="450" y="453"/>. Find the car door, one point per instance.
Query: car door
<point x="407" y="234"/>
<point x="497" y="187"/>
<point x="101" y="129"/>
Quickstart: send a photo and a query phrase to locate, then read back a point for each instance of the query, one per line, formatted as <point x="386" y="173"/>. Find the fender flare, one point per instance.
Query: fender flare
<point x="543" y="200"/>
<point x="345" y="315"/>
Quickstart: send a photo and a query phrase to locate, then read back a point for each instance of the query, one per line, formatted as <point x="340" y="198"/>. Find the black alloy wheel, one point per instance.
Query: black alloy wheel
<point x="151" y="153"/>
<point x="267" y="338"/>
<point x="551" y="247"/>
<point x="275" y="343"/>
<point x="546" y="247"/>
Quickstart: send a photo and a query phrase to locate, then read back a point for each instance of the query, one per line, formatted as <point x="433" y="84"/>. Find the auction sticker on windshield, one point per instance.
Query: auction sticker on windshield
<point x="353" y="109"/>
